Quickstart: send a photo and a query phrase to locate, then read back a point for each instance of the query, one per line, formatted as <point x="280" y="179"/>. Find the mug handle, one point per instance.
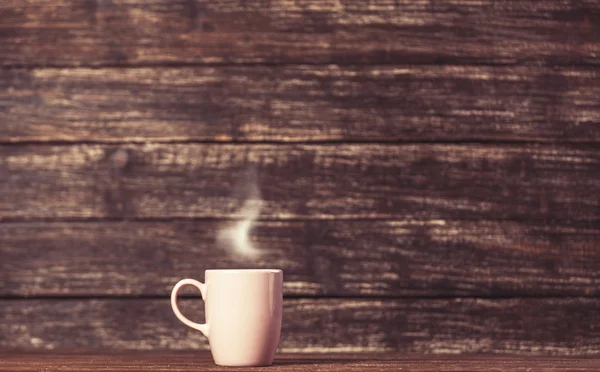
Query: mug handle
<point x="202" y="288"/>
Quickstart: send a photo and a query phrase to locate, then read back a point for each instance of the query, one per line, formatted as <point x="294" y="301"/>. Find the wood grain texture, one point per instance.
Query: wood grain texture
<point x="333" y="258"/>
<point x="507" y="326"/>
<point x="301" y="103"/>
<point x="425" y="182"/>
<point x="77" y="361"/>
<point x="134" y="32"/>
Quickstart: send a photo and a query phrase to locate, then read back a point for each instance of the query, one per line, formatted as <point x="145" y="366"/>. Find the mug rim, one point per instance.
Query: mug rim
<point x="246" y="271"/>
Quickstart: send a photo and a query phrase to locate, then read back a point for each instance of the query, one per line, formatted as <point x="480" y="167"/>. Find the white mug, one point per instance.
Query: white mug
<point x="243" y="311"/>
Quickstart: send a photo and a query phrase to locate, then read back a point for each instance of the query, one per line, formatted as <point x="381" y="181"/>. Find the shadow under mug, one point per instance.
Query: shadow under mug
<point x="243" y="310"/>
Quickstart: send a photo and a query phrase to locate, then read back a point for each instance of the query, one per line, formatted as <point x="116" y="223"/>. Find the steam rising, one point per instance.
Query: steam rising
<point x="236" y="238"/>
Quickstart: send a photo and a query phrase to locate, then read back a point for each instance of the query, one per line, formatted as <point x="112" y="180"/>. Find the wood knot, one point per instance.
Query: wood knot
<point x="120" y="158"/>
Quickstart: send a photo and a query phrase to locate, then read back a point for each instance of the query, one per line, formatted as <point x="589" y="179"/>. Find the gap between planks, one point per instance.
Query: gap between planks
<point x="77" y="297"/>
<point x="441" y="62"/>
<point x="390" y="142"/>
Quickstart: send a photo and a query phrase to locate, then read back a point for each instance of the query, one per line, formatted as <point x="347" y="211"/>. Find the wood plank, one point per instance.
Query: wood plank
<point x="133" y="32"/>
<point x="564" y="326"/>
<point x="334" y="258"/>
<point x="301" y="103"/>
<point x="148" y="361"/>
<point x="424" y="182"/>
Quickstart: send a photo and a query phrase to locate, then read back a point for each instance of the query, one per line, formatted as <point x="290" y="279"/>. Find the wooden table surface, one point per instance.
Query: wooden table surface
<point x="202" y="361"/>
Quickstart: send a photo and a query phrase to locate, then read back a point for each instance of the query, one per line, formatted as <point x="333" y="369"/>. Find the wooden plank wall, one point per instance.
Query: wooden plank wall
<point x="429" y="170"/>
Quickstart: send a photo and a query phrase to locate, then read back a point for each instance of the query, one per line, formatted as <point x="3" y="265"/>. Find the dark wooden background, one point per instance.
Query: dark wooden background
<point x="430" y="169"/>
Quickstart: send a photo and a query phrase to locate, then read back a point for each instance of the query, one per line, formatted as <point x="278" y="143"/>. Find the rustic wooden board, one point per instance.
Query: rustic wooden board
<point x="148" y="361"/>
<point x="335" y="258"/>
<point x="565" y="326"/>
<point x="92" y="32"/>
<point x="425" y="181"/>
<point x="301" y="103"/>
